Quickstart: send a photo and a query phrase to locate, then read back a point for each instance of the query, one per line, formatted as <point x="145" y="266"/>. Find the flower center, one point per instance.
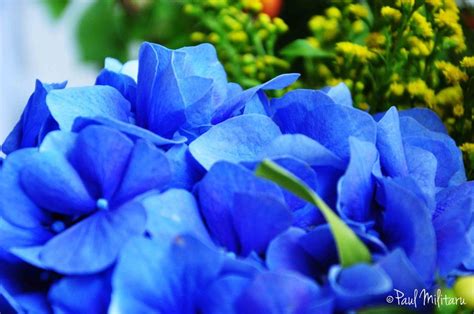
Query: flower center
<point x="58" y="226"/>
<point x="102" y="204"/>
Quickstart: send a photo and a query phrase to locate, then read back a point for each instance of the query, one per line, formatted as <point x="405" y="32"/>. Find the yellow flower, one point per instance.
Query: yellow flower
<point x="359" y="10"/>
<point x="446" y="18"/>
<point x="358" y="26"/>
<point x="419" y="47"/>
<point x="375" y="40"/>
<point x="467" y="147"/>
<point x="253" y="5"/>
<point x="198" y="36"/>
<point x="331" y="29"/>
<point x="458" y="110"/>
<point x="363" y="106"/>
<point x="467" y="62"/>
<point x="281" y="26"/>
<point x="417" y="87"/>
<point x="213" y="38"/>
<point x="231" y="23"/>
<point x="434" y="3"/>
<point x="313" y="42"/>
<point x="316" y="23"/>
<point x="452" y="73"/>
<point x="333" y="13"/>
<point x="391" y="13"/>
<point x="323" y="70"/>
<point x="238" y="36"/>
<point x="397" y="89"/>
<point x="422" y="25"/>
<point x="450" y="95"/>
<point x="361" y="53"/>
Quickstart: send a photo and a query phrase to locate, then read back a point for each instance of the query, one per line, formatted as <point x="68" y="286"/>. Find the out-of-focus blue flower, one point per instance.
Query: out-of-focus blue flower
<point x="70" y="199"/>
<point x="35" y="121"/>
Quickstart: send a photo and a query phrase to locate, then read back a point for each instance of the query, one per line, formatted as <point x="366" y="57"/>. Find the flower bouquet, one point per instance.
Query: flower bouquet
<point x="164" y="188"/>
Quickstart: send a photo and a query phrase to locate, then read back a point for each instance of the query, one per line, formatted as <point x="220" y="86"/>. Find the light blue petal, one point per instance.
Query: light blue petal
<point x="238" y="139"/>
<point x="68" y="104"/>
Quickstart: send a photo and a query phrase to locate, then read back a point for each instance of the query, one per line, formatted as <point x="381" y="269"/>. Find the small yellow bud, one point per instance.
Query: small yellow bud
<point x="359" y="86"/>
<point x="316" y="23"/>
<point x="358" y="26"/>
<point x="452" y="73"/>
<point x="467" y="62"/>
<point x="262" y="34"/>
<point x="238" y="36"/>
<point x="397" y="89"/>
<point x="333" y="13"/>
<point x="359" y="10"/>
<point x="363" y="106"/>
<point x="280" y="25"/>
<point x="213" y="38"/>
<point x="463" y="289"/>
<point x="458" y="110"/>
<point x="198" y="36"/>
<point x="391" y="14"/>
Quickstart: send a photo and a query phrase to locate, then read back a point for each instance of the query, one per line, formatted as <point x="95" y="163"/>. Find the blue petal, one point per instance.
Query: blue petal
<point x="148" y="169"/>
<point x="390" y="145"/>
<point x="101" y="155"/>
<point x="407" y="224"/>
<point x="356" y="187"/>
<point x="359" y="285"/>
<point x="315" y="114"/>
<point x="216" y="194"/>
<point x="304" y="148"/>
<point x="405" y="277"/>
<point x="81" y="294"/>
<point x="15" y="206"/>
<point x="166" y="278"/>
<point x="238" y="139"/>
<point x="221" y="295"/>
<point x="94" y="243"/>
<point x="425" y="117"/>
<point x="68" y="104"/>
<point x="123" y="83"/>
<point x="195" y="86"/>
<point x="283" y="292"/>
<point x="186" y="171"/>
<point x="132" y="131"/>
<point x="236" y="103"/>
<point x="54" y="185"/>
<point x="173" y="213"/>
<point x="450" y="169"/>
<point x="33" y="119"/>
<point x="340" y="94"/>
<point x="257" y="220"/>
<point x="286" y="253"/>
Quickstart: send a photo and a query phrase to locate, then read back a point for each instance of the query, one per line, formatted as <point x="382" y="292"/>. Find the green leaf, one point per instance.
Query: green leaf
<point x="302" y="48"/>
<point x="386" y="310"/>
<point x="56" y="7"/>
<point x="351" y="249"/>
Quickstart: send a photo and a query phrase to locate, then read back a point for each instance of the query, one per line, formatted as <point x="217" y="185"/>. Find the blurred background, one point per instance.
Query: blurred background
<point x="328" y="41"/>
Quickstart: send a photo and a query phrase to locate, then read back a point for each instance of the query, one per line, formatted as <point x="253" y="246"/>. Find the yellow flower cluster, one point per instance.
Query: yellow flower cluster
<point x="452" y="73"/>
<point x="422" y="26"/>
<point x="358" y="10"/>
<point x="468" y="148"/>
<point x="391" y="14"/>
<point x="467" y="62"/>
<point x="361" y="53"/>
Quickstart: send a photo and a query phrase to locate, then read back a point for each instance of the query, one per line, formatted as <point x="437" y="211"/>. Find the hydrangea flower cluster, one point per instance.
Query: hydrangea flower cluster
<point x="139" y="195"/>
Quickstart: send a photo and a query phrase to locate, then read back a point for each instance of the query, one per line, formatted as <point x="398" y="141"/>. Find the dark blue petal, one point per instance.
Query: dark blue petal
<point x="33" y="119"/>
<point x="359" y="285"/>
<point x="236" y="103"/>
<point x="81" y="294"/>
<point x="356" y="187"/>
<point x="283" y="292"/>
<point x="315" y="114"/>
<point x="101" y="155"/>
<point x="407" y="225"/>
<point x="238" y="139"/>
<point x="54" y="185"/>
<point x="286" y="253"/>
<point x="216" y="194"/>
<point x="173" y="213"/>
<point x="148" y="169"/>
<point x="132" y="131"/>
<point x="94" y="243"/>
<point x="258" y="219"/>
<point x="68" y="104"/>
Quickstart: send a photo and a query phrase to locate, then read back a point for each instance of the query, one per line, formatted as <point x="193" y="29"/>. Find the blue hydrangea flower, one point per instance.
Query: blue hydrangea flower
<point x="70" y="199"/>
